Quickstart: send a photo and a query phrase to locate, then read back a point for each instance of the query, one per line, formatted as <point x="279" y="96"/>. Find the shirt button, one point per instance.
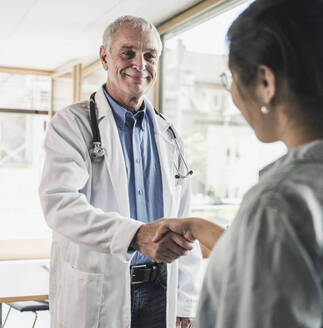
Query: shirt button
<point x="139" y="191"/>
<point x="137" y="160"/>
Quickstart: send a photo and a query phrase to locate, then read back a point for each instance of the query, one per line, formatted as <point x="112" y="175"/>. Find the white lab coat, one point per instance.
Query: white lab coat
<point x="86" y="205"/>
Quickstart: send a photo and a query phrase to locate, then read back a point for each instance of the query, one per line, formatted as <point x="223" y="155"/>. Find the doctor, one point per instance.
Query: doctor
<point x="105" y="269"/>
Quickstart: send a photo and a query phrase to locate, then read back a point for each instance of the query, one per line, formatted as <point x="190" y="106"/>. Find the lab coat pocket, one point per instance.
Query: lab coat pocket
<point x="85" y="291"/>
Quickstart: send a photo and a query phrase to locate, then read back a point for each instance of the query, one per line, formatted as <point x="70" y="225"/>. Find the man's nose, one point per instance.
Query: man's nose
<point x="139" y="62"/>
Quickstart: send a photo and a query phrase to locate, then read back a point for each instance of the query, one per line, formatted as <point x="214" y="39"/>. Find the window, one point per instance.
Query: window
<point x="21" y="155"/>
<point x="220" y="147"/>
<point x="24" y="91"/>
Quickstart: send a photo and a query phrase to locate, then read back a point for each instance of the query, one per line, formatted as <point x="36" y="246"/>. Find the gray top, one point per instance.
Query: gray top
<point x="266" y="270"/>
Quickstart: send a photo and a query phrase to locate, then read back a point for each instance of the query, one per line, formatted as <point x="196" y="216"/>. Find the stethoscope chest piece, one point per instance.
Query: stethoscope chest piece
<point x="96" y="151"/>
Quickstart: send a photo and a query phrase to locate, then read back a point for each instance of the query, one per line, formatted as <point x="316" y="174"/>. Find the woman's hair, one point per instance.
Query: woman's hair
<point x="287" y="36"/>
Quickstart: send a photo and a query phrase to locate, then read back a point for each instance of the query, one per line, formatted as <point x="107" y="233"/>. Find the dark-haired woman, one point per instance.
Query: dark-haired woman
<point x="266" y="271"/>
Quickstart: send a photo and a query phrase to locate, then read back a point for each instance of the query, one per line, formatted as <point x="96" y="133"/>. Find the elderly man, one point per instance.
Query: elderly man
<point x="104" y="186"/>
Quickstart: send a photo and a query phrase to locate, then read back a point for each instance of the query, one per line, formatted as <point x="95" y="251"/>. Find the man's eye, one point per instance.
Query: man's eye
<point x="129" y="53"/>
<point x="149" y="56"/>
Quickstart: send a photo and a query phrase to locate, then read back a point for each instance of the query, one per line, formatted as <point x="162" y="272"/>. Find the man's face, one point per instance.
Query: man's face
<point x="131" y="63"/>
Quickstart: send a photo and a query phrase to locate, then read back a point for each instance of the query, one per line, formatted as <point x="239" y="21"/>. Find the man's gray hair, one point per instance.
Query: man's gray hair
<point x="136" y="22"/>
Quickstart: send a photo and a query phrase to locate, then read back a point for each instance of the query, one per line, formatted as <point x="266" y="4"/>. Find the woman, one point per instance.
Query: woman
<point x="267" y="269"/>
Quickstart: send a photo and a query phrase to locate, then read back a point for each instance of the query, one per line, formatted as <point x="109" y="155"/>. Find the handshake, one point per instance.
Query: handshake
<point x="165" y="240"/>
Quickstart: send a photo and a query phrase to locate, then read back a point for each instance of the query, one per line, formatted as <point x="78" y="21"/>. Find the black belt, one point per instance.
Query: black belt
<point x="140" y="274"/>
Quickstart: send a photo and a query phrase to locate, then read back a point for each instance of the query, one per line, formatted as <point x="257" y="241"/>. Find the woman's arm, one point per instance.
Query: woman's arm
<point x="206" y="232"/>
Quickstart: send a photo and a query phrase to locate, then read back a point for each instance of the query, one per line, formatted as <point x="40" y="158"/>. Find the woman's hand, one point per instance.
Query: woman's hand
<point x="206" y="232"/>
<point x="180" y="226"/>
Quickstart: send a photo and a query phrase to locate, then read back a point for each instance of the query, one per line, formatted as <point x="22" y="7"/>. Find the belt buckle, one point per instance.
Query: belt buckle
<point x="132" y="274"/>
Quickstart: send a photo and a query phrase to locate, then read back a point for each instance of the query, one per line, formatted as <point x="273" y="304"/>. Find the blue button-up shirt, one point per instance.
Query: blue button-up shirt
<point x="136" y="132"/>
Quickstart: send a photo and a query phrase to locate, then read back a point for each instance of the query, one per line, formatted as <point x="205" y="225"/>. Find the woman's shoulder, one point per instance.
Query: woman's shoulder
<point x="291" y="203"/>
<point x="296" y="182"/>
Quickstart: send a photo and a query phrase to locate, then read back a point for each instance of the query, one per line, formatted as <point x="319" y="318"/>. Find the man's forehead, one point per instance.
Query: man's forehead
<point x="134" y="47"/>
<point x="128" y="36"/>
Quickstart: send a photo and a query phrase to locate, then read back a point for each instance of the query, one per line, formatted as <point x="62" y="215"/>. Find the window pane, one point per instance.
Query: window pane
<point x="21" y="159"/>
<point x="62" y="93"/>
<point x="24" y="91"/>
<point x="221" y="148"/>
<point x="21" y="155"/>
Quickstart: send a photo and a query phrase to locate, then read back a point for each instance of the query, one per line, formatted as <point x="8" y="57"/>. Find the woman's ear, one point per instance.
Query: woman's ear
<point x="266" y="84"/>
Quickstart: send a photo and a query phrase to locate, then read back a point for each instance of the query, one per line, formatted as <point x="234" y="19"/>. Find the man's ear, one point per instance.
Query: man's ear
<point x="266" y="84"/>
<point x="103" y="58"/>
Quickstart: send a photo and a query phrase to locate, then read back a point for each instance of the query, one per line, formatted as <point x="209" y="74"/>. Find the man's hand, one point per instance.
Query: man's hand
<point x="167" y="249"/>
<point x="184" y="322"/>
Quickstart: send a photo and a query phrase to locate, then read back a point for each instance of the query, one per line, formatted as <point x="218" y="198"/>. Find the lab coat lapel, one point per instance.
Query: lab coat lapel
<point x="113" y="152"/>
<point x="167" y="153"/>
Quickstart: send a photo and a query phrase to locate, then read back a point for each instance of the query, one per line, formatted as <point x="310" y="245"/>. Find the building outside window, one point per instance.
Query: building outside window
<point x="221" y="148"/>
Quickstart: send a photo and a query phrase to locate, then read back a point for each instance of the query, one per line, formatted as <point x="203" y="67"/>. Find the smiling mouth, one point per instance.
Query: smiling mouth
<point x="137" y="77"/>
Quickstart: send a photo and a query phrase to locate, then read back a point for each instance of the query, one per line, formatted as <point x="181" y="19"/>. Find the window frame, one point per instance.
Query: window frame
<point x="190" y="18"/>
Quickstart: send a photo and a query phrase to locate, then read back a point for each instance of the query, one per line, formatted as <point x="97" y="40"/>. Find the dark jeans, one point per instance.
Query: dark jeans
<point x="148" y="303"/>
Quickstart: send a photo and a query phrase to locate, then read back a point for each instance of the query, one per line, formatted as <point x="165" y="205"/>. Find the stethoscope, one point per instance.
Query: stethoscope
<point x="97" y="152"/>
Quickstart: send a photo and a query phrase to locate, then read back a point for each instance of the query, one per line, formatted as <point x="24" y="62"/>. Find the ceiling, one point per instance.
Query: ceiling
<point x="51" y="35"/>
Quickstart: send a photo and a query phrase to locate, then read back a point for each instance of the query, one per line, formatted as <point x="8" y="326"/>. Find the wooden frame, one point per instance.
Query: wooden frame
<point x="92" y="67"/>
<point x="65" y="73"/>
<point x="194" y="11"/>
<point x="86" y="70"/>
<point x="24" y="111"/>
<point x="77" y="82"/>
<point x="51" y="99"/>
<point x="31" y="71"/>
<point x="23" y="298"/>
<point x="157" y="87"/>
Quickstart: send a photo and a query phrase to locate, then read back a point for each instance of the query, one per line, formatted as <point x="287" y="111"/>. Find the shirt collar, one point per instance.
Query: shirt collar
<point x="312" y="151"/>
<point x="122" y="115"/>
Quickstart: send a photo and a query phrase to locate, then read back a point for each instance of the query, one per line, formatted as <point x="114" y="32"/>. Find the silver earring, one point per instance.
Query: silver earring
<point x="264" y="109"/>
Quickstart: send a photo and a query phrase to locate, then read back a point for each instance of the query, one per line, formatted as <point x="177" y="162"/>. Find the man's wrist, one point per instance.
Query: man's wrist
<point x="133" y="245"/>
<point x="134" y="242"/>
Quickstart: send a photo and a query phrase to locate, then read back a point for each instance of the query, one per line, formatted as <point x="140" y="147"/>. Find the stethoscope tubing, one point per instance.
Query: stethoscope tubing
<point x="97" y="152"/>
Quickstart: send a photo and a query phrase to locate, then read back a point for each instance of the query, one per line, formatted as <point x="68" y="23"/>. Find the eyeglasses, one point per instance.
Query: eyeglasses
<point x="226" y="79"/>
